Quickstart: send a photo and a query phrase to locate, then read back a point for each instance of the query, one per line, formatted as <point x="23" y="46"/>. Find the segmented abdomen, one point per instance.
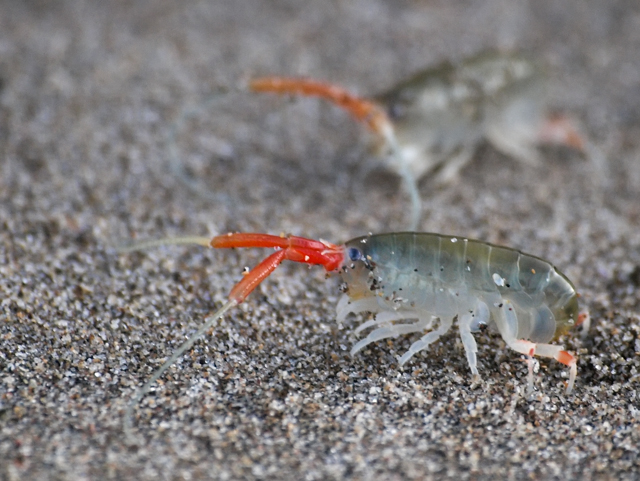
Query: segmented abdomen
<point x="448" y="276"/>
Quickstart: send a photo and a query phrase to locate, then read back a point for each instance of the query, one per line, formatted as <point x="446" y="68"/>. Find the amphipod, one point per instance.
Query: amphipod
<point x="436" y="118"/>
<point x="432" y="279"/>
<point x="418" y="282"/>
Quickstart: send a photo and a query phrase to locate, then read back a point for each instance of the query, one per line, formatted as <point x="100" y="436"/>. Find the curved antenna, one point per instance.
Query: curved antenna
<point x="411" y="186"/>
<point x="293" y="248"/>
<point x="363" y="110"/>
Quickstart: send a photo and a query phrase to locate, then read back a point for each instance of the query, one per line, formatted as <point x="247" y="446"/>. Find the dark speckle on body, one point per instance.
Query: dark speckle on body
<point x="89" y="93"/>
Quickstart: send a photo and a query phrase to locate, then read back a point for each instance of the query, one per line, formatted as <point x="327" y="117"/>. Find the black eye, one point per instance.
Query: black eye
<point x="354" y="254"/>
<point x="397" y="110"/>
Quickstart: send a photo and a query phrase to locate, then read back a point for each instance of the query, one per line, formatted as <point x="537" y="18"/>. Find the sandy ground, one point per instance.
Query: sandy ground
<point x="89" y="92"/>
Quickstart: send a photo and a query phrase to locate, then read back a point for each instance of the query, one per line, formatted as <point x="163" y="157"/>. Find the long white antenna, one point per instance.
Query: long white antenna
<point x="203" y="241"/>
<point x="128" y="416"/>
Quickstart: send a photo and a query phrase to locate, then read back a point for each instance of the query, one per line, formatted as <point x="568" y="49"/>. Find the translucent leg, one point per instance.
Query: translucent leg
<point x="346" y="306"/>
<point x="391" y="331"/>
<point x="386" y="317"/>
<point x="584" y="320"/>
<point x="453" y="165"/>
<point x="517" y="144"/>
<point x="469" y="342"/>
<point x="411" y="186"/>
<point x="547" y="350"/>
<point x="530" y="349"/>
<point x="426" y="340"/>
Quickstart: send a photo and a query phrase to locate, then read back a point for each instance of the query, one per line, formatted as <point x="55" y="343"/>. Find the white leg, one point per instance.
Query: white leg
<point x="546" y="350"/>
<point x="584" y="321"/>
<point x="469" y="342"/>
<point x="453" y="165"/>
<point x="346" y="306"/>
<point x="386" y="317"/>
<point x="391" y="331"/>
<point x="530" y="349"/>
<point x="518" y="145"/>
<point x="426" y="340"/>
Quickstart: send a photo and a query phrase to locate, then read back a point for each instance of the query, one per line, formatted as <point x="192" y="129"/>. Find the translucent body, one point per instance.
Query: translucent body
<point x="441" y="114"/>
<point x="432" y="279"/>
<point x="436" y="118"/>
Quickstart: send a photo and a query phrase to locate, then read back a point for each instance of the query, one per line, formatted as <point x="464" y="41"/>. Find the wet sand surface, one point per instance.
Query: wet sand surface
<point x="90" y="93"/>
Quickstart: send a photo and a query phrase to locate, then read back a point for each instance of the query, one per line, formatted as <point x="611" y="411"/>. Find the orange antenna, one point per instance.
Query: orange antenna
<point x="361" y="109"/>
<point x="293" y="248"/>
